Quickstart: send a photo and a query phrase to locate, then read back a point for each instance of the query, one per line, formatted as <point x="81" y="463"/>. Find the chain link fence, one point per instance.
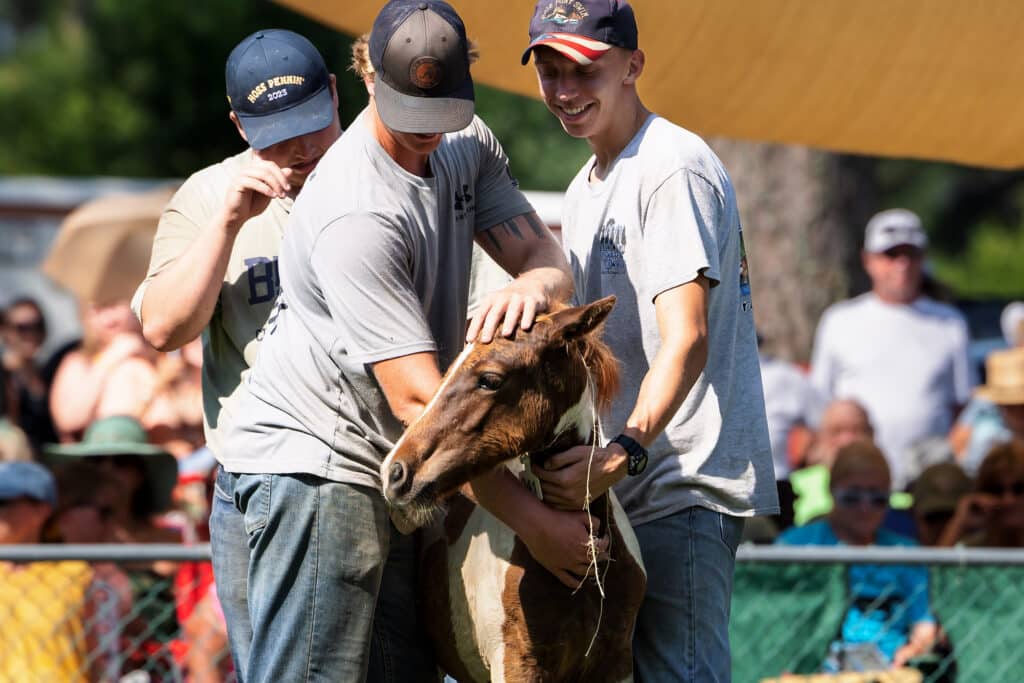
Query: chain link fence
<point x="793" y="608"/>
<point x="131" y="614"/>
<point x="142" y="614"/>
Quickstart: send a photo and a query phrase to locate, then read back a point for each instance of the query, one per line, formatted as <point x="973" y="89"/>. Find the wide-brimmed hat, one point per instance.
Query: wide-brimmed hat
<point x="124" y="435"/>
<point x="1004" y="377"/>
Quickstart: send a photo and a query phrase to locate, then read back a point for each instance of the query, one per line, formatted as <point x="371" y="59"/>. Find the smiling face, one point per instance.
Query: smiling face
<point x="585" y="97"/>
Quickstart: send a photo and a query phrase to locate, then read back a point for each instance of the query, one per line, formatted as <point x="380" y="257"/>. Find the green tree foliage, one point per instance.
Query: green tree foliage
<point x="136" y="88"/>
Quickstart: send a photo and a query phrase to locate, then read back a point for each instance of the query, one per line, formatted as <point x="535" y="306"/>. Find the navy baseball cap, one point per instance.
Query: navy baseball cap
<point x="27" y="480"/>
<point x="582" y="30"/>
<point x="278" y="87"/>
<point x="419" y="51"/>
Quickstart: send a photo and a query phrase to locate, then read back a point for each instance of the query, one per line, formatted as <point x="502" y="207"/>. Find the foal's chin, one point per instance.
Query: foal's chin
<point x="421" y="506"/>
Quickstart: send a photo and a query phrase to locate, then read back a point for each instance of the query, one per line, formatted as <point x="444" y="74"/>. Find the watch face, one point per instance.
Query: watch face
<point x="637" y="463"/>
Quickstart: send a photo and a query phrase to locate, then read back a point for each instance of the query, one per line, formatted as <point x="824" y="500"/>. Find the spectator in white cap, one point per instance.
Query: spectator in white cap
<point x="898" y="352"/>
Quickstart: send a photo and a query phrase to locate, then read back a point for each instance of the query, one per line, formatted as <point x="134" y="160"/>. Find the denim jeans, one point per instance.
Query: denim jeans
<point x="682" y="630"/>
<point x="229" y="547"/>
<point x="313" y="563"/>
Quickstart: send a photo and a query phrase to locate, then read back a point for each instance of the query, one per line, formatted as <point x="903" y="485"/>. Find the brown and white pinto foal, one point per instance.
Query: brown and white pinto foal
<point x="493" y="612"/>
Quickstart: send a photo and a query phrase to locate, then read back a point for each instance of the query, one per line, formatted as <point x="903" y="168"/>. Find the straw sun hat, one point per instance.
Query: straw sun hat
<point x="1004" y="372"/>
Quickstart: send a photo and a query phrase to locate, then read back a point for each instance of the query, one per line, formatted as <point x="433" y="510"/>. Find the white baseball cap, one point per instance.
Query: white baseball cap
<point x="893" y="228"/>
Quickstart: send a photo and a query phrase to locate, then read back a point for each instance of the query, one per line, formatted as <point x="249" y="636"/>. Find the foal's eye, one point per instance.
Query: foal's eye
<point x="490" y="381"/>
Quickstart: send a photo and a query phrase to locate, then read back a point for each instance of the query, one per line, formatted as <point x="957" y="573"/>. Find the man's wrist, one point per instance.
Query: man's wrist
<point x="636" y="454"/>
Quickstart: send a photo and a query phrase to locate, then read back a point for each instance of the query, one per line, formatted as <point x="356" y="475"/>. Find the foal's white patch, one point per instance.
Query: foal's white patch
<point x="444" y="383"/>
<point x="477" y="565"/>
<point x="580" y="415"/>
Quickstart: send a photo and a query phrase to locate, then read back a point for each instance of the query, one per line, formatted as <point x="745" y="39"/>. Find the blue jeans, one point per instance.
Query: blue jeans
<point x="230" y="553"/>
<point x="315" y="554"/>
<point x="682" y="630"/>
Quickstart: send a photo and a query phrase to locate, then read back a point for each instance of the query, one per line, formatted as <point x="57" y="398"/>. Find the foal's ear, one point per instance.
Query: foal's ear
<point x="572" y="323"/>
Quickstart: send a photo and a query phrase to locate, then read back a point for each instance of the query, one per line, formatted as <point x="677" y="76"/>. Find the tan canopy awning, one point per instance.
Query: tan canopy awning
<point x="933" y="79"/>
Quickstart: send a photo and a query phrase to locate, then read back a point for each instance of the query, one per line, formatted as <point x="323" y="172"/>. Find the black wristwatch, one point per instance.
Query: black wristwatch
<point x="637" y="454"/>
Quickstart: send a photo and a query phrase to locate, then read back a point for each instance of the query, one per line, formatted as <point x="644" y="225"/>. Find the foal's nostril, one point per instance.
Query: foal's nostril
<point x="397" y="478"/>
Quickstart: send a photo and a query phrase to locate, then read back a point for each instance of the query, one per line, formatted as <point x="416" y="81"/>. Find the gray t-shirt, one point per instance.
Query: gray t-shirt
<point x="665" y="213"/>
<point x="374" y="265"/>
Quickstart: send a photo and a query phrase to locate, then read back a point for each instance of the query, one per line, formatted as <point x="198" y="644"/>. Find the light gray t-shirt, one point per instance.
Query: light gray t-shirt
<point x="664" y="214"/>
<point x="374" y="265"/>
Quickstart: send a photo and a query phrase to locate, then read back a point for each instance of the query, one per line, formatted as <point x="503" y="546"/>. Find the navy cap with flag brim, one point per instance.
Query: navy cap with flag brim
<point x="307" y="117"/>
<point x="425" y="115"/>
<point x="579" y="49"/>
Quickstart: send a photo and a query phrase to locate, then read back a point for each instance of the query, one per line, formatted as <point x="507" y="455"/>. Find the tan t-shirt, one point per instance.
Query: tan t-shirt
<point x="251" y="285"/>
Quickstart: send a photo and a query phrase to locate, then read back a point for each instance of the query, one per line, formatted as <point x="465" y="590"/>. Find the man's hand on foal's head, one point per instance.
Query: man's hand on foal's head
<point x="502" y="312"/>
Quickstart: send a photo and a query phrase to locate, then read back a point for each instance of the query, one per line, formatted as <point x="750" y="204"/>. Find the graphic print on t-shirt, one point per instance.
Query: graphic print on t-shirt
<point x="745" y="300"/>
<point x="612" y="239"/>
<point x="463" y="202"/>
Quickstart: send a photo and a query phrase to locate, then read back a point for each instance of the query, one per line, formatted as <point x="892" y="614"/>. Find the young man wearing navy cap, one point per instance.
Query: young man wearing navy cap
<point x="375" y="277"/>
<point x="652" y="218"/>
<point x="214" y="263"/>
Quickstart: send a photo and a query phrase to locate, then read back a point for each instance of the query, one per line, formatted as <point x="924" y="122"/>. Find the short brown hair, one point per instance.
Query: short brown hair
<point x="856" y="457"/>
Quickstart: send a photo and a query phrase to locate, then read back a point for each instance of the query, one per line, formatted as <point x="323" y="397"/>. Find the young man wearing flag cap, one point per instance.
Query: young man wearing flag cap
<point x="652" y="218"/>
<point x="374" y="278"/>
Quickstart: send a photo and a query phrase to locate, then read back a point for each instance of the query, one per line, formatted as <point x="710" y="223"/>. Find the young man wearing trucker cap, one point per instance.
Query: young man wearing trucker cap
<point x="375" y="276"/>
<point x="214" y="263"/>
<point x="652" y="218"/>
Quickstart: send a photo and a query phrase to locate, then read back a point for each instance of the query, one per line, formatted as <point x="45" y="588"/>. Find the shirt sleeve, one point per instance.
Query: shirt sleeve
<point x="179" y="226"/>
<point x="680" y="226"/>
<point x="363" y="266"/>
<point x="498" y="197"/>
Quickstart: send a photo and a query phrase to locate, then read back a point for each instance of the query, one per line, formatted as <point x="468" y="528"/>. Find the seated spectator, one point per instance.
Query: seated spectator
<point x="981" y="425"/>
<point x="936" y="494"/>
<point x="889" y="621"/>
<point x="26" y="384"/>
<point x="145" y="476"/>
<point x="842" y="422"/>
<point x="45" y="607"/>
<point x="993" y="514"/>
<point x="111" y="373"/>
<point x="84" y="514"/>
<point x="174" y="415"/>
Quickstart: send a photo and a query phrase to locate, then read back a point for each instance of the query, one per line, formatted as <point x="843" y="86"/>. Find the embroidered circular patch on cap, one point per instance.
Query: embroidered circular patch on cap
<point x="425" y="72"/>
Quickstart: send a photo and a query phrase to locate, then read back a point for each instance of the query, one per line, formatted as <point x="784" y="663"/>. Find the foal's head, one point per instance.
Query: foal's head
<point x="503" y="399"/>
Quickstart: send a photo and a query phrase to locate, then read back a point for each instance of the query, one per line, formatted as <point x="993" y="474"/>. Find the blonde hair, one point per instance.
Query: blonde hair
<point x="363" y="68"/>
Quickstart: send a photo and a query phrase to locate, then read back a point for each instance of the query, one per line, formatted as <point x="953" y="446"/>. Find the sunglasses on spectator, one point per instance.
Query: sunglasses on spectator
<point x="28" y="328"/>
<point x="1016" y="488"/>
<point x="852" y="497"/>
<point x="903" y="250"/>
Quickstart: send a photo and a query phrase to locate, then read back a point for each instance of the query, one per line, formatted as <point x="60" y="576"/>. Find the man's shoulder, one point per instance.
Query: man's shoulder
<point x="938" y="309"/>
<point x="665" y="148"/>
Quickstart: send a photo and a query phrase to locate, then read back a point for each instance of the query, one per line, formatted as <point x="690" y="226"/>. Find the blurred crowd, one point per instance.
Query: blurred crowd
<point x="888" y="438"/>
<point x="103" y="443"/>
